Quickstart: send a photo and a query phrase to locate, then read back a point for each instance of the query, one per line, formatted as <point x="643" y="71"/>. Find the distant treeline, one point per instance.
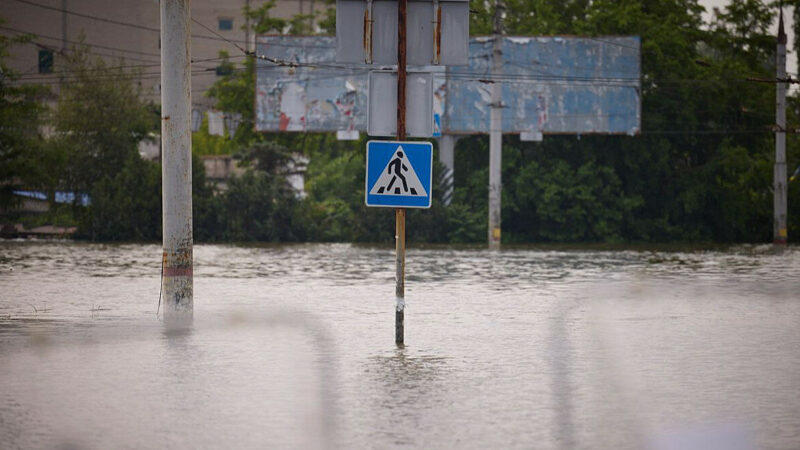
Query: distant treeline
<point x="701" y="170"/>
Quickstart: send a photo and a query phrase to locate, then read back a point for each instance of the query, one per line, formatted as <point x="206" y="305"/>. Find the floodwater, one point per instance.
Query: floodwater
<point x="293" y="347"/>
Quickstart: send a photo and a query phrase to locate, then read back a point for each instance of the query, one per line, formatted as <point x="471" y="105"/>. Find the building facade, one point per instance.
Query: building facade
<point x="129" y="30"/>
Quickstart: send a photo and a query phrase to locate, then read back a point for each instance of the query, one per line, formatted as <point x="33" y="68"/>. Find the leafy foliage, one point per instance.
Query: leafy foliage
<point x="20" y="118"/>
<point x="126" y="205"/>
<point x="100" y="118"/>
<point x="701" y="169"/>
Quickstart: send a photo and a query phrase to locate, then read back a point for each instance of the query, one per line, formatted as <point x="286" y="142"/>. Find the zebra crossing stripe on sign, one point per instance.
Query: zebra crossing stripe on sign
<point x="399" y="178"/>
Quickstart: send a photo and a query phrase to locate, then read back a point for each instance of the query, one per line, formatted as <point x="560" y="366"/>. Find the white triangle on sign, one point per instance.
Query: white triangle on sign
<point x="406" y="182"/>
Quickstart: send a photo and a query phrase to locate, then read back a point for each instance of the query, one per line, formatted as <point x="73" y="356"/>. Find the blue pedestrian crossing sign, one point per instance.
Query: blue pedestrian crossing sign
<point x="399" y="174"/>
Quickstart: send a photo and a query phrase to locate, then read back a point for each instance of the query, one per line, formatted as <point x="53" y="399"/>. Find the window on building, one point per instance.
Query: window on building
<point x="225" y="23"/>
<point x="45" y="61"/>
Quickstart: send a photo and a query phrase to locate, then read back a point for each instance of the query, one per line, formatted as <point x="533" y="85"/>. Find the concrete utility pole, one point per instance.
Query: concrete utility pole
<point x="779" y="229"/>
<point x="63" y="25"/>
<point x="496" y="130"/>
<point x="400" y="213"/>
<point x="176" y="174"/>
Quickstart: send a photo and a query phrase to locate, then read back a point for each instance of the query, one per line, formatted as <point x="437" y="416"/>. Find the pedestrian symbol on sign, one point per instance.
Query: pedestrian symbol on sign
<point x="399" y="174"/>
<point x="399" y="167"/>
<point x="399" y="178"/>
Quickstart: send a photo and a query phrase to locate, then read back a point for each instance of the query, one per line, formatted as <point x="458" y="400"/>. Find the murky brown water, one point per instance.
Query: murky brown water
<point x="292" y="347"/>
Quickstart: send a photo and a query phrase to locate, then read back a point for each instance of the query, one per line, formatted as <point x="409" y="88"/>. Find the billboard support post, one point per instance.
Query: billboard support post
<point x="496" y="131"/>
<point x="447" y="146"/>
<point x="780" y="234"/>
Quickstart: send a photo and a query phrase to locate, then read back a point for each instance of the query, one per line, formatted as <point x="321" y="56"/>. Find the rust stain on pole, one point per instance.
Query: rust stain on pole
<point x="400" y="275"/>
<point x="437" y="34"/>
<point x="367" y="38"/>
<point x="401" y="68"/>
<point x="178" y="263"/>
<point x="176" y="162"/>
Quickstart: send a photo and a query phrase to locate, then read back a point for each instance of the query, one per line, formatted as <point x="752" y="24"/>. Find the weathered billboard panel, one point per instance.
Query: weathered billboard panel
<point x="317" y="95"/>
<point x="552" y="84"/>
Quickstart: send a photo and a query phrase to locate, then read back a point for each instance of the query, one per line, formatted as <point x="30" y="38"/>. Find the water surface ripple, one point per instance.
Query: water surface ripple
<point x="292" y="347"/>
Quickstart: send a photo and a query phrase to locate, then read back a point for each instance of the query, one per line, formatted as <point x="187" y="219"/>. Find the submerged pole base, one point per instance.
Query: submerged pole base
<point x="399" y="324"/>
<point x="178" y="287"/>
<point x="178" y="307"/>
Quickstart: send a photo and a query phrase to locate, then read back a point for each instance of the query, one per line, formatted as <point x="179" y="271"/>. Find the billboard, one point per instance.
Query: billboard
<point x="553" y="85"/>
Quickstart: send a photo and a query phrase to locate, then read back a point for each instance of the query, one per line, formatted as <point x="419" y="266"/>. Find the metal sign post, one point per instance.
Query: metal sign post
<point x="400" y="213"/>
<point x="429" y="32"/>
<point x="399" y="174"/>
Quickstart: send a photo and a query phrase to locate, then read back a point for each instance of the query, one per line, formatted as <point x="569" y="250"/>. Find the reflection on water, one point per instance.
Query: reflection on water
<point x="292" y="347"/>
<point x="560" y="358"/>
<point x="405" y="386"/>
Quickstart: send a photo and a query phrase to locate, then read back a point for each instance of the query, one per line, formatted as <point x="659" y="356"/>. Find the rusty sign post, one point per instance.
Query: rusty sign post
<point x="176" y="172"/>
<point x="400" y="213"/>
<point x="418" y="33"/>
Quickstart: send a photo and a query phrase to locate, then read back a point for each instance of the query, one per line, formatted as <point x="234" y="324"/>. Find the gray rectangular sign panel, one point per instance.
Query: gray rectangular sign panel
<point x="552" y="84"/>
<point x="367" y="32"/>
<point x="384" y="32"/>
<point x="319" y="95"/>
<point x="420" y="33"/>
<point x="454" y="49"/>
<point x="382" y="110"/>
<point x="350" y="31"/>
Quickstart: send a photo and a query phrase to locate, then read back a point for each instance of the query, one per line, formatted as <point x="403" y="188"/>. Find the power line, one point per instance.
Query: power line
<point x="220" y="36"/>
<point x="486" y="77"/>
<point x="112" y="21"/>
<point x="103" y="69"/>
<point x="39" y="35"/>
<point x="634" y="47"/>
<point x="31" y="73"/>
<point x="88" y="16"/>
<point x="60" y="52"/>
<point x="47" y="80"/>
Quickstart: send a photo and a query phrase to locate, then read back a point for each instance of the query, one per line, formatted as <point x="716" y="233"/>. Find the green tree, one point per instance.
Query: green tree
<point x="100" y="117"/>
<point x="126" y="206"/>
<point x="261" y="22"/>
<point x="258" y="207"/>
<point x="21" y="114"/>
<point x="700" y="170"/>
